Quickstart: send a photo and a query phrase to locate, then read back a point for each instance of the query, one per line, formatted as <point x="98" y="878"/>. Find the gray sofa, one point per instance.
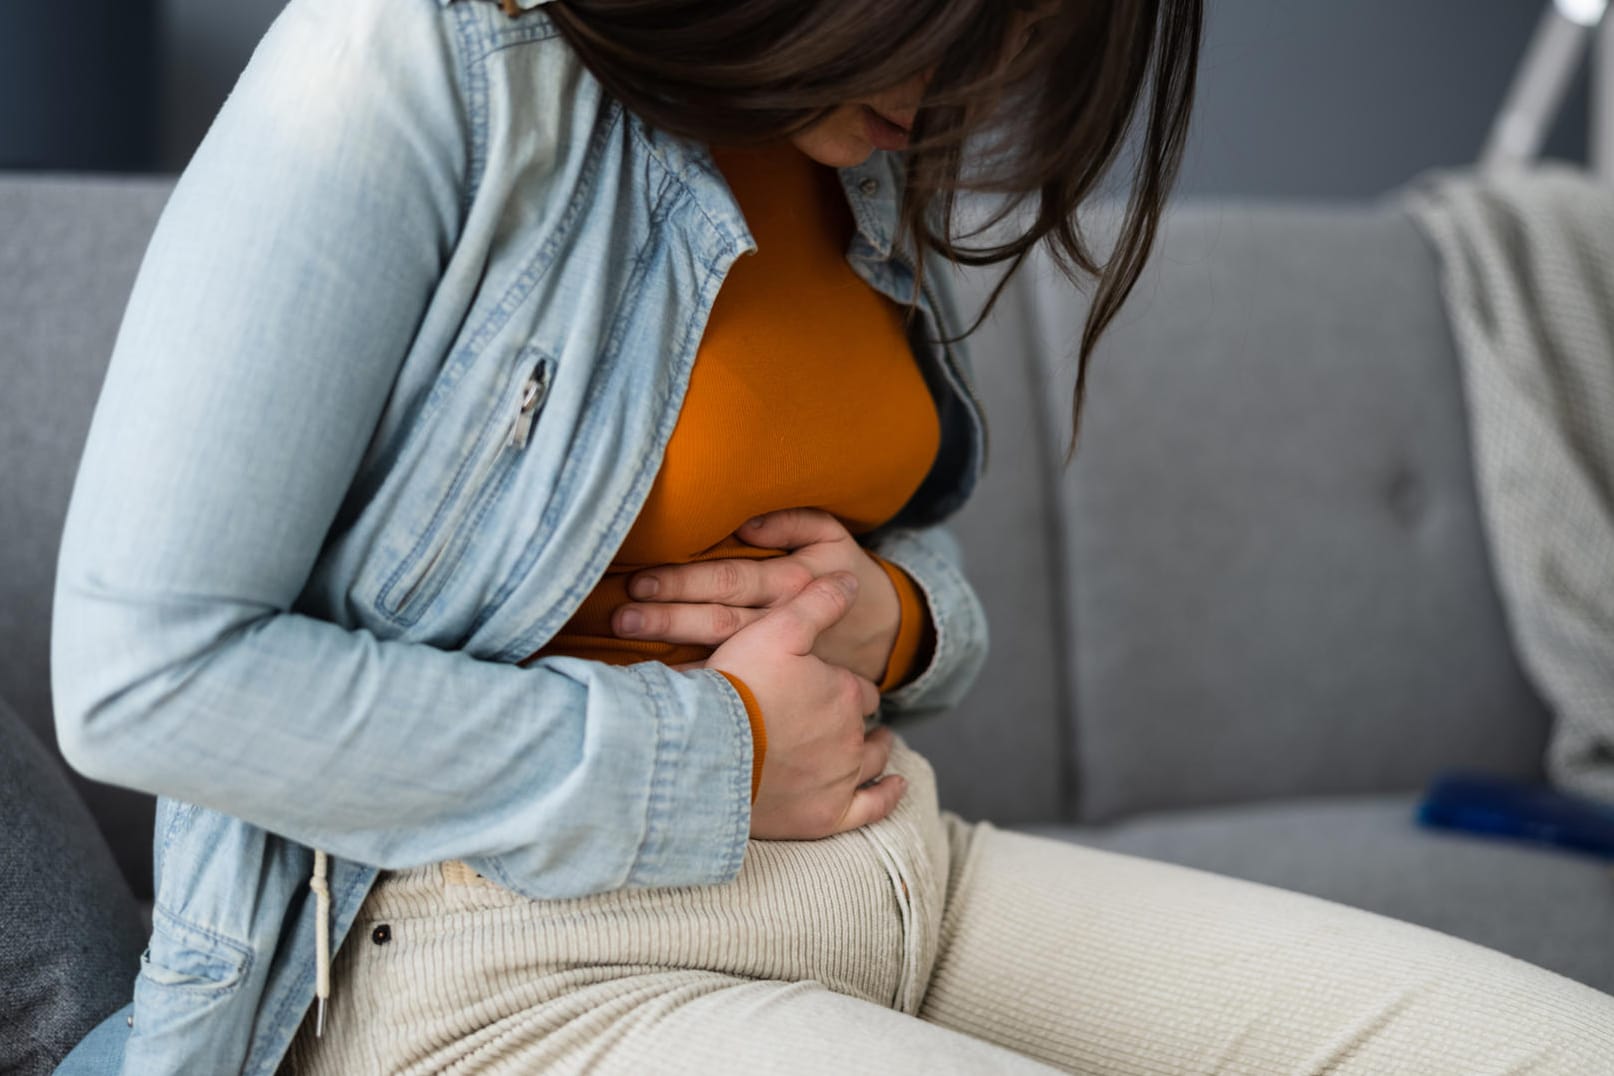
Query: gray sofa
<point x="1240" y="632"/>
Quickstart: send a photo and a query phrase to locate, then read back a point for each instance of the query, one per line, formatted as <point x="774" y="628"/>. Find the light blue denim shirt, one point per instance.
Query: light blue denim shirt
<point x="394" y="380"/>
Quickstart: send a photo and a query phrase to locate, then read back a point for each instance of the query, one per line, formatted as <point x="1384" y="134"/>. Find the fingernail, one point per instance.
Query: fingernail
<point x="644" y="587"/>
<point x="632" y="620"/>
<point x="754" y="521"/>
<point x="846" y="581"/>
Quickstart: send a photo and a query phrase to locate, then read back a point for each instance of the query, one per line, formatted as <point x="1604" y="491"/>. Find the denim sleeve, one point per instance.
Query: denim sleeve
<point x="933" y="557"/>
<point x="267" y="325"/>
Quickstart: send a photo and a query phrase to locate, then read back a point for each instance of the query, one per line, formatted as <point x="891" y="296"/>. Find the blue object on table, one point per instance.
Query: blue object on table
<point x="1504" y="807"/>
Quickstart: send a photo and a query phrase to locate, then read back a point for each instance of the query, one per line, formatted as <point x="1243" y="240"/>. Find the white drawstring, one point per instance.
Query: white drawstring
<point x="322" y="941"/>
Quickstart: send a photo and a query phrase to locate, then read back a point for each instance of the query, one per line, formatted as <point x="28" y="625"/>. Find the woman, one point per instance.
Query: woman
<point x="443" y="346"/>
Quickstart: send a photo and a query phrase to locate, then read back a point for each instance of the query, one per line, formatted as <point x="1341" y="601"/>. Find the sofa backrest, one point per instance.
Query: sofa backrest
<point x="1263" y="575"/>
<point x="1277" y="579"/>
<point x="69" y="249"/>
<point x="1004" y="752"/>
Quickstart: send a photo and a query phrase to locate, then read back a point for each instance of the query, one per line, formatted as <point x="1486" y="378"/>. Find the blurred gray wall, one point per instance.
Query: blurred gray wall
<point x="1352" y="97"/>
<point x="1297" y="97"/>
<point x="205" y="44"/>
<point x="78" y="85"/>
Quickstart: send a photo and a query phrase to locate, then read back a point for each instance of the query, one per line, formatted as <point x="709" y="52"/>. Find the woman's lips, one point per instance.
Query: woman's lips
<point x="882" y="132"/>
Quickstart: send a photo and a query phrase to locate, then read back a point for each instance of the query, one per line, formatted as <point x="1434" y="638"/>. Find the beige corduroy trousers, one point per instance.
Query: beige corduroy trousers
<point x="924" y="944"/>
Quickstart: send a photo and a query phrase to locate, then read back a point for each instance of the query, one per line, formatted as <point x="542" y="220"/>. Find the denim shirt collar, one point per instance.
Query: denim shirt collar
<point x="872" y="189"/>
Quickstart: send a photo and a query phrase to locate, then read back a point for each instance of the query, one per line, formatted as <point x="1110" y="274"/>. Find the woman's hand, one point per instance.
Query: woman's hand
<point x="820" y="760"/>
<point x="706" y="602"/>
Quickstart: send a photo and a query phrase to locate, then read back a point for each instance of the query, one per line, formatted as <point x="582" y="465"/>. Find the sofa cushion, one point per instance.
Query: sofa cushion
<point x="1550" y="907"/>
<point x="70" y="931"/>
<point x="1278" y="578"/>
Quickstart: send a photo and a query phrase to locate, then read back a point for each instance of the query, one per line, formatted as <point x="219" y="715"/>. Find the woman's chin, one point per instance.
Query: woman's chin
<point x="834" y="151"/>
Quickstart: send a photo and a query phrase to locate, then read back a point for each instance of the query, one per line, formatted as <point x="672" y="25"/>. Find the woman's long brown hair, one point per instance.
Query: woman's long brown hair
<point x="1027" y="99"/>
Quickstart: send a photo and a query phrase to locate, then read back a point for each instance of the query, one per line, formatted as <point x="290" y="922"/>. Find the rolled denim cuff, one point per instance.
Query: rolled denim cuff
<point x="698" y="815"/>
<point x="759" y="729"/>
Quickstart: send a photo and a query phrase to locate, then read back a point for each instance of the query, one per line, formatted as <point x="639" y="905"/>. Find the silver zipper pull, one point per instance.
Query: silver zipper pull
<point x="532" y="396"/>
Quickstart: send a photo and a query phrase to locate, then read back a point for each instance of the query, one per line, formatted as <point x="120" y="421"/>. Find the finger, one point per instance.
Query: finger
<point x="796" y="624"/>
<point x="868" y="695"/>
<point x="876" y="754"/>
<point x="873" y="803"/>
<point x="701" y="625"/>
<point x="791" y="528"/>
<point x="726" y="580"/>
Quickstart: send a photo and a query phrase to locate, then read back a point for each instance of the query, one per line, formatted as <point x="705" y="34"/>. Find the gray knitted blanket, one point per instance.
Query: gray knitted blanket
<point x="1527" y="268"/>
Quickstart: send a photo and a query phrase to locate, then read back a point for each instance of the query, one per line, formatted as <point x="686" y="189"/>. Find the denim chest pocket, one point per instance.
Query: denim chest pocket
<point x="503" y="426"/>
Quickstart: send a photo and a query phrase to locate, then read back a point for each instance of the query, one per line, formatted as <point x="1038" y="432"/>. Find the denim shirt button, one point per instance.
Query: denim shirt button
<point x="869" y="186"/>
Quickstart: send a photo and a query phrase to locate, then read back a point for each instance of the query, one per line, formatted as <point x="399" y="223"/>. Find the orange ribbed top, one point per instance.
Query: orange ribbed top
<point x="804" y="393"/>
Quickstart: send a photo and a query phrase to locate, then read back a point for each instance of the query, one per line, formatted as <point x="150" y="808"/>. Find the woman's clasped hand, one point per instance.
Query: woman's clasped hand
<point x="794" y="629"/>
<point x="705" y="602"/>
<point x="819" y="758"/>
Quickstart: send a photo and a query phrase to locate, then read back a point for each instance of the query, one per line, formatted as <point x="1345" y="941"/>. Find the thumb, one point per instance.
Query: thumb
<point x="792" y="528"/>
<point x="797" y="623"/>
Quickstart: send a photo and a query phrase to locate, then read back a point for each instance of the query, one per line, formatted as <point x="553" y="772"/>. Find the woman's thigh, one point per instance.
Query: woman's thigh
<point x="670" y="1022"/>
<point x="1098" y="962"/>
<point x="701" y="1024"/>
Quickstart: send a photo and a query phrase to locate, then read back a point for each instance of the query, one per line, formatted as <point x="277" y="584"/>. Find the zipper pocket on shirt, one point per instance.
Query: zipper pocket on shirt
<point x="504" y="436"/>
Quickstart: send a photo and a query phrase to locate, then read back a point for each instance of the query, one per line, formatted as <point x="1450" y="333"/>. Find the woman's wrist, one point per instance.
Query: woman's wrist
<point x="906" y="650"/>
<point x="759" y="730"/>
